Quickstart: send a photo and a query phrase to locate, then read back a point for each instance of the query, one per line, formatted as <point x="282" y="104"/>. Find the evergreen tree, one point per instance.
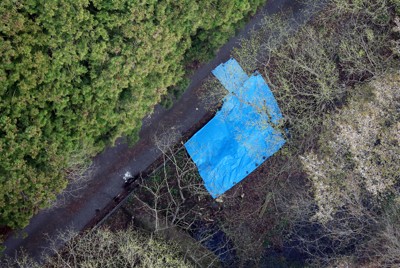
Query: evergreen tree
<point x="78" y="74"/>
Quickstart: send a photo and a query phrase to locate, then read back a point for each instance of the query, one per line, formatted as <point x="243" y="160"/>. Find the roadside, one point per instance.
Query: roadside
<point x="114" y="162"/>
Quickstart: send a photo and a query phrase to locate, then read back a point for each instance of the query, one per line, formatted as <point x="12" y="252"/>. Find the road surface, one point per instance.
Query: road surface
<point x="112" y="163"/>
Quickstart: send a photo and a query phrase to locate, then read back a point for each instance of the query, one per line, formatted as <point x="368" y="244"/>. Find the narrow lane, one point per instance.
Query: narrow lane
<point x="111" y="165"/>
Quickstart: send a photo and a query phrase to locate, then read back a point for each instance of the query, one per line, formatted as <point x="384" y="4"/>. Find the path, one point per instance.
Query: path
<point x="111" y="164"/>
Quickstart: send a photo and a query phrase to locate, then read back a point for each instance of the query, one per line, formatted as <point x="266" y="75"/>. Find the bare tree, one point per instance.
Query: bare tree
<point x="103" y="248"/>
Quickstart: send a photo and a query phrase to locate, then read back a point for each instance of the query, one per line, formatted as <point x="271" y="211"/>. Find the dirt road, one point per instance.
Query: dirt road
<point x="111" y="165"/>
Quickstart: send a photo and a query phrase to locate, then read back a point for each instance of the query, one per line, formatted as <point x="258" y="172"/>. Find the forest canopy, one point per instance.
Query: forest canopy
<point x="78" y="74"/>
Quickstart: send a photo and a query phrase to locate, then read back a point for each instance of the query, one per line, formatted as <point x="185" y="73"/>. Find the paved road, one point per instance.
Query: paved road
<point x="111" y="164"/>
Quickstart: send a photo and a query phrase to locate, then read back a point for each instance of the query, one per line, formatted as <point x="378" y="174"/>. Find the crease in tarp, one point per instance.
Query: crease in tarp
<point x="241" y="136"/>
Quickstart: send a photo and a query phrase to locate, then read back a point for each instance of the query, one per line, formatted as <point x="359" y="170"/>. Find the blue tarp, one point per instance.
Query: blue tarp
<point x="240" y="136"/>
<point x="231" y="75"/>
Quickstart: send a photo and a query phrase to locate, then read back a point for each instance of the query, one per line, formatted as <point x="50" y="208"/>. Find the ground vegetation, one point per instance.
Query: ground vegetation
<point x="335" y="79"/>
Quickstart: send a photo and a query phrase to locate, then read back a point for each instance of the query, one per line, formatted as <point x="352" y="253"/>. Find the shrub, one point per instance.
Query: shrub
<point x="319" y="72"/>
<point x="359" y="150"/>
